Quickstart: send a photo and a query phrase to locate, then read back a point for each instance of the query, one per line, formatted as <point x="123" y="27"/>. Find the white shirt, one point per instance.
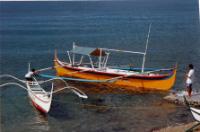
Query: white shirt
<point x="190" y="76"/>
<point x="29" y="74"/>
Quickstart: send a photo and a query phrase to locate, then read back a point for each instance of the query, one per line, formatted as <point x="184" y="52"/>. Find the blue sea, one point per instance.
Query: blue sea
<point x="32" y="31"/>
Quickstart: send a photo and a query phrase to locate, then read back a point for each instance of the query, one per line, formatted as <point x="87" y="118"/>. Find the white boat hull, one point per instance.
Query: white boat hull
<point x="195" y="113"/>
<point x="40" y="99"/>
<point x="41" y="105"/>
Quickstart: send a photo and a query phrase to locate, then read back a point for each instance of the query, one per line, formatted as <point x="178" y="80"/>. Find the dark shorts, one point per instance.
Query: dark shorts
<point x="189" y="85"/>
<point x="29" y="79"/>
<point x="189" y="88"/>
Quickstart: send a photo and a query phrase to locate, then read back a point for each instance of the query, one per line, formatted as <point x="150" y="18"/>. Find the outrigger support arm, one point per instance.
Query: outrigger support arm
<point x="13" y="77"/>
<point x="13" y="83"/>
<point x="78" y="92"/>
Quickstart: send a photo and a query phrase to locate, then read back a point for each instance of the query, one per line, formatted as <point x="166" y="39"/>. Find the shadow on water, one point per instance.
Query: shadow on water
<point x="61" y="111"/>
<point x="97" y="105"/>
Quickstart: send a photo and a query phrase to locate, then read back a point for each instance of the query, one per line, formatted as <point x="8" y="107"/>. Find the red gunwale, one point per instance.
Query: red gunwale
<point x="39" y="98"/>
<point x="115" y="74"/>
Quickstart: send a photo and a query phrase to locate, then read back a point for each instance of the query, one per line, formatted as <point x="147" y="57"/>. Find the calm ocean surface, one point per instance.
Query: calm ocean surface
<point x="31" y="31"/>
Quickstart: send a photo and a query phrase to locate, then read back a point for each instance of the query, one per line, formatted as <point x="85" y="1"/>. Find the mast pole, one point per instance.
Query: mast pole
<point x="199" y="11"/>
<point x="144" y="56"/>
<point x="73" y="57"/>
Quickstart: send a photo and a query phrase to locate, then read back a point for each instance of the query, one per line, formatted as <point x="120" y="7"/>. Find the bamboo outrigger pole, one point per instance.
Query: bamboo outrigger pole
<point x="144" y="56"/>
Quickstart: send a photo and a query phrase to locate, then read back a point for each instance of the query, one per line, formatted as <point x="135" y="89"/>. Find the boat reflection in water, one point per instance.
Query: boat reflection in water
<point x="40" y="121"/>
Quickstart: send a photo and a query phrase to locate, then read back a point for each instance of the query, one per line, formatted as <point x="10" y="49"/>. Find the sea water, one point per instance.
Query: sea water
<point x="31" y="31"/>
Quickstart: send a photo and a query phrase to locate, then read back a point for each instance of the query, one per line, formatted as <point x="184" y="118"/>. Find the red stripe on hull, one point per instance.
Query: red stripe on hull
<point x="38" y="107"/>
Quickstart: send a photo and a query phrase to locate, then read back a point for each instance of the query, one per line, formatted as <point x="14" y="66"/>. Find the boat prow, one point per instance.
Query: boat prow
<point x="39" y="97"/>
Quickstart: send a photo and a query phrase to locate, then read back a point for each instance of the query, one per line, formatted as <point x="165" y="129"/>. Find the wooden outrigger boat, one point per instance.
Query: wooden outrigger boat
<point x="41" y="99"/>
<point x="135" y="79"/>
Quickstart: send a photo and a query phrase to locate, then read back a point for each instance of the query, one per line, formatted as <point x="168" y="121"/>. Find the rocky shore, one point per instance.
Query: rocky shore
<point x="179" y="128"/>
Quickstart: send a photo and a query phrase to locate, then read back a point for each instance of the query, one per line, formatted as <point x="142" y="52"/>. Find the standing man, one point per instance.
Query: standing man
<point x="190" y="79"/>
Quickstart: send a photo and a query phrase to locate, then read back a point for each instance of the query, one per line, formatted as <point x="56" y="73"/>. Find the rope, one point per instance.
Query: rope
<point x="13" y="77"/>
<point x="17" y="84"/>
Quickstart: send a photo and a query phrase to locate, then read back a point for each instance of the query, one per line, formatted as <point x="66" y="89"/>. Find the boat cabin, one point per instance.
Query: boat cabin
<point x="97" y="57"/>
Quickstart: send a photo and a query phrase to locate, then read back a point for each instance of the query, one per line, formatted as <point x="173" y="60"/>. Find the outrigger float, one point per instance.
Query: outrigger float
<point x="138" y="79"/>
<point x="40" y="98"/>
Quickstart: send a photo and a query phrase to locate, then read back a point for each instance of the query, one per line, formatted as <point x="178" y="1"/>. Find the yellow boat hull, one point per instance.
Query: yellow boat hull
<point x="129" y="83"/>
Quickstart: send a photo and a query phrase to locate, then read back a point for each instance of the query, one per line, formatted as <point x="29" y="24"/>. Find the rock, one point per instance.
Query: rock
<point x="194" y="100"/>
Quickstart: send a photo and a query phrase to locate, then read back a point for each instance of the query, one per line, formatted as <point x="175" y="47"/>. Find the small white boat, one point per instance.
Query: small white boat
<point x="195" y="113"/>
<point x="39" y="97"/>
